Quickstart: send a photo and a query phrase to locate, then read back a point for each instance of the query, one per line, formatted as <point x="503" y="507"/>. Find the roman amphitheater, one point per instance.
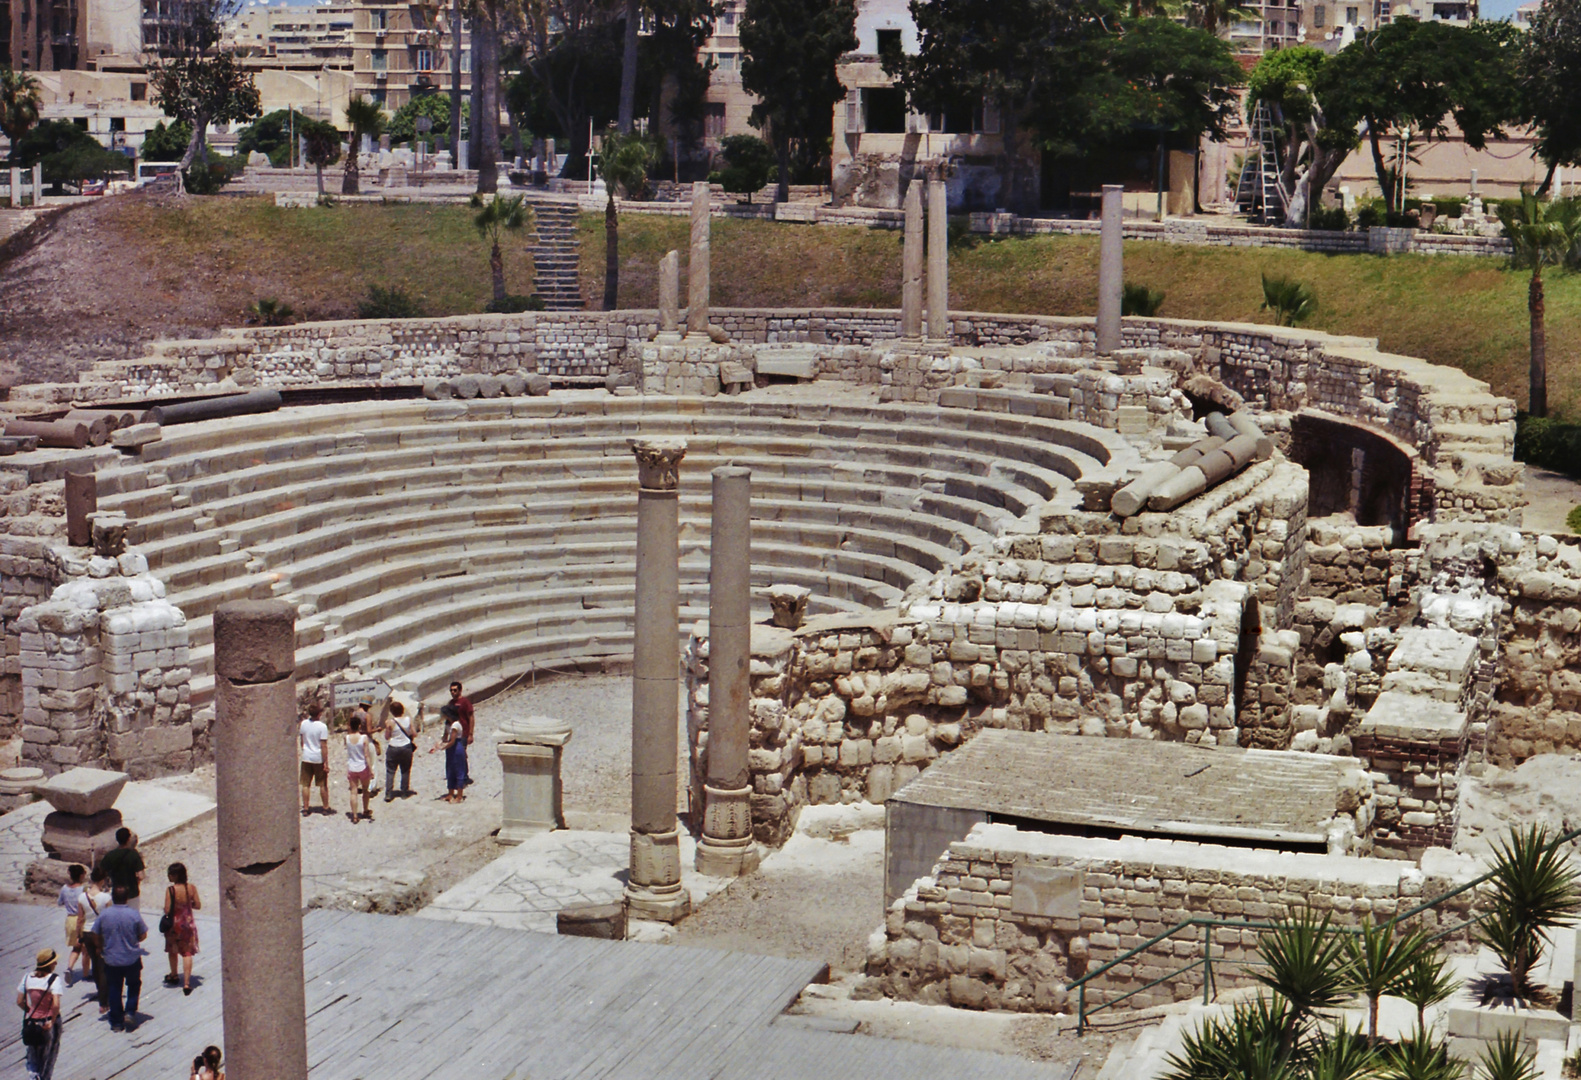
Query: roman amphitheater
<point x="1206" y="625"/>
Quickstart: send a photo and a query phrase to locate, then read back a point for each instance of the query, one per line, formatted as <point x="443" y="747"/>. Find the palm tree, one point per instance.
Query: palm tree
<point x="1539" y="236"/>
<point x="493" y="218"/>
<point x="363" y="117"/>
<point x="1305" y="963"/>
<point x="1534" y="890"/>
<point x="1378" y="961"/>
<point x="1426" y="983"/>
<point x="623" y="164"/>
<point x="322" y="145"/>
<point x="20" y="97"/>
<point x="1289" y="300"/>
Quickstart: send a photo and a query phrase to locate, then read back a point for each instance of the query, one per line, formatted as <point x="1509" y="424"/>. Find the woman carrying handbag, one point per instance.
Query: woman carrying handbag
<point x="179" y="926"/>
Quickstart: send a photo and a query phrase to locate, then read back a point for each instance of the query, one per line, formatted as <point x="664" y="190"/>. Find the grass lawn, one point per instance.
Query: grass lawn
<point x="221" y="254"/>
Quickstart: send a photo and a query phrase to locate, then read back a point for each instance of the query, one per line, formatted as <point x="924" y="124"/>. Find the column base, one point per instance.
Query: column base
<point x="653" y="881"/>
<point x="668" y="337"/>
<point x="644" y="902"/>
<point x="520" y="834"/>
<point x="726" y="858"/>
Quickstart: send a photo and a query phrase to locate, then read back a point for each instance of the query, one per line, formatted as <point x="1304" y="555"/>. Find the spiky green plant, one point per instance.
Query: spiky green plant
<point x="1504" y="1059"/>
<point x="1245" y="1044"/>
<point x="1377" y="959"/>
<point x="1342" y="1055"/>
<point x="1138" y="299"/>
<point x="1535" y="890"/>
<point x="1305" y="963"/>
<point x="1539" y="236"/>
<point x="1425" y="984"/>
<point x="364" y="116"/>
<point x="1419" y="1056"/>
<point x="1289" y="300"/>
<point x="492" y="218"/>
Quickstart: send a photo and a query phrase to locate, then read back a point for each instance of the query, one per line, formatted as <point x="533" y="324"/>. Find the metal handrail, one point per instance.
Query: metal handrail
<point x="1208" y="925"/>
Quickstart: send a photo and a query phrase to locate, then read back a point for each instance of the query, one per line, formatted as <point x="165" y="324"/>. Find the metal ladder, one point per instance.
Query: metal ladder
<point x="1259" y="191"/>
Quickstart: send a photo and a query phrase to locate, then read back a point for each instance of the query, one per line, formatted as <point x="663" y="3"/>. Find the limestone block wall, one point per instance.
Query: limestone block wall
<point x="104" y="672"/>
<point x="27" y="576"/>
<point x="1008" y="918"/>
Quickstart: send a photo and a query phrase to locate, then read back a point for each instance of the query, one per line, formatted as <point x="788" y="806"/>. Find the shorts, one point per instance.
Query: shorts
<point x="314" y="772"/>
<point x="73" y="924"/>
<point x="366" y="775"/>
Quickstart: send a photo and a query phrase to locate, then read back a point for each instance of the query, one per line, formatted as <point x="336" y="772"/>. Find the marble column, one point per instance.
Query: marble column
<point x="911" y="271"/>
<point x="653" y="886"/>
<point x="938" y="262"/>
<point x="1111" y="270"/>
<point x="726" y="849"/>
<point x="260" y="854"/>
<point x="670" y="296"/>
<point x="697" y="264"/>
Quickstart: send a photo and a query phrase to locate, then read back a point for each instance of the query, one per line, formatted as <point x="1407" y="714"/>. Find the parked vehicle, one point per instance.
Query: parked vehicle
<point x="149" y="172"/>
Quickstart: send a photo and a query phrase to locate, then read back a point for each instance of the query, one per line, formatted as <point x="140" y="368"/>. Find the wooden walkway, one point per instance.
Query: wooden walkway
<point x="397" y="998"/>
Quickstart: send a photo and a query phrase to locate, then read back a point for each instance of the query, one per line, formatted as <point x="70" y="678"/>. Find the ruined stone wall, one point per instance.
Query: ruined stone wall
<point x="1008" y="918"/>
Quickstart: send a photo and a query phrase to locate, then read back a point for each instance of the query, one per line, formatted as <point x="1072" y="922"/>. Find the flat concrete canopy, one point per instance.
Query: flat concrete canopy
<point x="398" y="998"/>
<point x="1139" y="786"/>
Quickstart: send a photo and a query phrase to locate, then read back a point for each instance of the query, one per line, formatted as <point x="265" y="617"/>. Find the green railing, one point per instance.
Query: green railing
<point x="1208" y="925"/>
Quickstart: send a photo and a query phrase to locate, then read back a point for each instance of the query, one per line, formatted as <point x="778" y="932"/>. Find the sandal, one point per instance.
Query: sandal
<point x="172" y="980"/>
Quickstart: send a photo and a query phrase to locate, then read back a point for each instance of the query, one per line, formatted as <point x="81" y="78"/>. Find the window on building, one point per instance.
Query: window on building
<point x="727" y="61"/>
<point x="985" y="120"/>
<point x="117" y="123"/>
<point x="1352" y="16"/>
<point x="885" y="110"/>
<point x="727" y="21"/>
<point x="378" y="94"/>
<point x="888" y="42"/>
<point x="381" y="60"/>
<point x="1275" y="28"/>
<point x="139" y="91"/>
<point x="425" y="60"/>
<point x="714" y="120"/>
<point x="378" y="18"/>
<point x="1319" y="14"/>
<point x="466" y="60"/>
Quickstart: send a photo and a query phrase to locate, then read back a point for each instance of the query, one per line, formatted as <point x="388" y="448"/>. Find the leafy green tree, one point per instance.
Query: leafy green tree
<point x="320" y="147"/>
<point x="1066" y="76"/>
<point x="1534" y="888"/>
<point x="1313" y="148"/>
<point x="1550" y="75"/>
<point x="749" y="163"/>
<point x="1411" y="77"/>
<point x="492" y="219"/>
<point x="623" y="164"/>
<point x="272" y="135"/>
<point x="1540" y="235"/>
<point x="402" y="127"/>
<point x="1291" y="301"/>
<point x="200" y="90"/>
<point x="789" y="49"/>
<point x="161" y="143"/>
<point x="1217" y="16"/>
<point x="21" y="95"/>
<point x="365" y="118"/>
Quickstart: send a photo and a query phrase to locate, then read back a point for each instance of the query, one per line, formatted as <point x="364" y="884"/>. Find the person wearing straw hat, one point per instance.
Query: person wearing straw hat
<point x="38" y="997"/>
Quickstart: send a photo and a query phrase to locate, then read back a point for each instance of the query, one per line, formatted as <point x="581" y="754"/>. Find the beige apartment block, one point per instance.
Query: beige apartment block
<point x="318" y="35"/>
<point x="403" y="50"/>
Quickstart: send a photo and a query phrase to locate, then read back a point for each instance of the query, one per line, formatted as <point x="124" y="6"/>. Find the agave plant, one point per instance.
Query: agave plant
<point x="1419" y="1056"/>
<point x="1305" y="963"/>
<point x="1289" y="300"/>
<point x="1378" y="960"/>
<point x="1534" y="890"/>
<point x="1426" y="983"/>
<point x="1504" y="1059"/>
<point x="1137" y="299"/>
<point x="1342" y="1055"/>
<point x="1245" y="1044"/>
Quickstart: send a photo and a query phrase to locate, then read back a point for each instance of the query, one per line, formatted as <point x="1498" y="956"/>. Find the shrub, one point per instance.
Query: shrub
<point x="207" y="179"/>
<point x="1548" y="443"/>
<point x="1333" y="220"/>
<point x="385" y="303"/>
<point x="267" y="311"/>
<point x="1137" y="299"/>
<point x="1369" y="215"/>
<point x="1535" y="890"/>
<point x="1289" y="300"/>
<point x="514" y="303"/>
<point x="749" y="164"/>
<point x="163" y="143"/>
<point x="1573" y="520"/>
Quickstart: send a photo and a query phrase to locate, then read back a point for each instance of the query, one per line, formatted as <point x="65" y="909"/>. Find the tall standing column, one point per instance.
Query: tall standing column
<point x="911" y="266"/>
<point x="670" y="296"/>
<point x="653" y="884"/>
<point x="938" y="262"/>
<point x="726" y="848"/>
<point x="260" y="855"/>
<point x="697" y="263"/>
<point x="1111" y="270"/>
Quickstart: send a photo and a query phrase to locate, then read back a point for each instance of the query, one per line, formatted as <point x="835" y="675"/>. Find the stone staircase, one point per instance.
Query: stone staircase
<point x="557" y="278"/>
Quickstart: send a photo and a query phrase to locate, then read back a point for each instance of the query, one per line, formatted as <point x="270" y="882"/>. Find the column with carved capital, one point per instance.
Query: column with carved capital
<point x="653" y="885"/>
<point x="726" y="849"/>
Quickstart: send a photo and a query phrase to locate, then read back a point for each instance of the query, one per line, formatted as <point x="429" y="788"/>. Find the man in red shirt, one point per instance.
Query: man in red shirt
<point x="464" y="707"/>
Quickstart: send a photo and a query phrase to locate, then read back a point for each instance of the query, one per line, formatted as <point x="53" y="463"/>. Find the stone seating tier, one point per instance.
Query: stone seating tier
<point x="474" y="540"/>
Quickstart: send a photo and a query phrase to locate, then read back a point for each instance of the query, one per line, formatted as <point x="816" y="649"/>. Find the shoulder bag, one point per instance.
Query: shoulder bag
<point x="167" y="921"/>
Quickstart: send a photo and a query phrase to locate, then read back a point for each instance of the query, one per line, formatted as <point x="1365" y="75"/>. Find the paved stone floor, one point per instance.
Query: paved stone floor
<point x="398" y="998"/>
<point x="149" y="809"/>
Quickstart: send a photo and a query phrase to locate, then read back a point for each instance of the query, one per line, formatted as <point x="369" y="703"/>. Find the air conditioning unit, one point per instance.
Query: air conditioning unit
<point x="380" y="32"/>
<point x="381" y="75"/>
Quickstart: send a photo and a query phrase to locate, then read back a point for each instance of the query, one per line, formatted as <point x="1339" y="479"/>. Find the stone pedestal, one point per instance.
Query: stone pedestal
<point x="83" y="826"/>
<point x="530" y="751"/>
<point x="911" y="267"/>
<point x="726" y="848"/>
<point x="17" y="787"/>
<point x="938" y="262"/>
<point x="653" y="886"/>
<point x="1111" y="270"/>
<point x="697" y="264"/>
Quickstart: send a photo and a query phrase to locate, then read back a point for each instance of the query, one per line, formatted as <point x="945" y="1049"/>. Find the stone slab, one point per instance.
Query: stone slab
<point x="84" y="792"/>
<point x="798" y="367"/>
<point x="1447" y="654"/>
<point x="1399" y="715"/>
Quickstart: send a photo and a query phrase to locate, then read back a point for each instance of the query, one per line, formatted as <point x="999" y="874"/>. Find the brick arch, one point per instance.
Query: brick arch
<point x="1359" y="470"/>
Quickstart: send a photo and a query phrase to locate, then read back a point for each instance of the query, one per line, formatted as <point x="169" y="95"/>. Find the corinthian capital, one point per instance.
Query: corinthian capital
<point x="658" y="462"/>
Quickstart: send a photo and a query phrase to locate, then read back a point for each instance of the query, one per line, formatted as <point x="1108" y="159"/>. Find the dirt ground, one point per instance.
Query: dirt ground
<point x="1544" y="790"/>
<point x="1550" y="497"/>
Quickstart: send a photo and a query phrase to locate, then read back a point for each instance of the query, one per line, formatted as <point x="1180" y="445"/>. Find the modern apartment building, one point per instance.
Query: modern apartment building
<point x="728" y="105"/>
<point x="317" y="35"/>
<point x="41" y="35"/>
<point x="402" y="50"/>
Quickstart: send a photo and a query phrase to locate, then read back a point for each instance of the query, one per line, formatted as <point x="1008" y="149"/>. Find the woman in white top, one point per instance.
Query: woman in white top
<point x="360" y="749"/>
<point x="80" y="911"/>
<point x="38" y="997"/>
<point x="401" y="724"/>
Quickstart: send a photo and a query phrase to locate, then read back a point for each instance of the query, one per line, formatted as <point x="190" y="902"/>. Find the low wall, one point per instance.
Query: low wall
<point x="1008" y="918"/>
